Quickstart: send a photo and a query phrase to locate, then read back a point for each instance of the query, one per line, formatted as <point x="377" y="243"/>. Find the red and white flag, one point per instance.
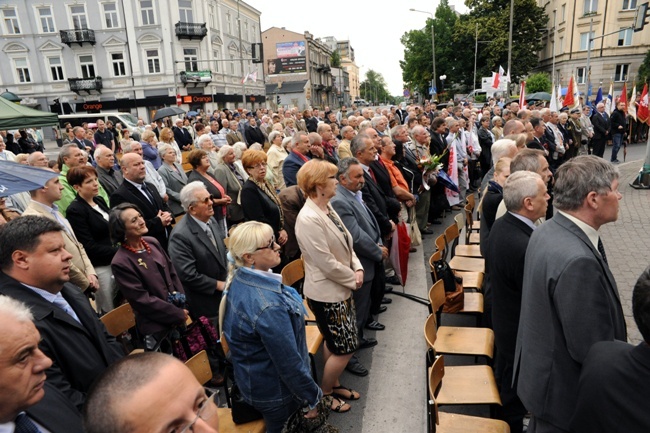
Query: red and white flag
<point x="495" y="80"/>
<point x="642" y="106"/>
<point x="569" y="101"/>
<point x="522" y="94"/>
<point x="623" y="97"/>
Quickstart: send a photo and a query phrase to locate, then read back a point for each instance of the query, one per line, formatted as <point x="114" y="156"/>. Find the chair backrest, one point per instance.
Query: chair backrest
<point x="469" y="220"/>
<point x="451" y="237"/>
<point x="178" y="219"/>
<point x="119" y="320"/>
<point x="441" y="245"/>
<point x="471" y="201"/>
<point x="437" y="295"/>
<point x="437" y="255"/>
<point x="436" y="373"/>
<point x="292" y="272"/>
<point x="460" y="222"/>
<point x="430" y="331"/>
<point x="226" y="241"/>
<point x="199" y="365"/>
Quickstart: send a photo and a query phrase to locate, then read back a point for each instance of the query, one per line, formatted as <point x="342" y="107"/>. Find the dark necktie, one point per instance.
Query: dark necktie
<point x="147" y="194"/>
<point x="601" y="250"/>
<point x="25" y="425"/>
<point x="372" y="174"/>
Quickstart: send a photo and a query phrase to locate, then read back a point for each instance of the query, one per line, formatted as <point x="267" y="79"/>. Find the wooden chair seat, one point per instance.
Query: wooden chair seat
<point x="474" y="239"/>
<point x="314" y="339"/>
<point x="476" y="226"/>
<point x="227" y="425"/>
<point x="473" y="303"/>
<point x="471" y="280"/>
<point x="455" y="423"/>
<point x="461" y="263"/>
<point x="470" y="384"/>
<point x="468" y="251"/>
<point x="465" y="341"/>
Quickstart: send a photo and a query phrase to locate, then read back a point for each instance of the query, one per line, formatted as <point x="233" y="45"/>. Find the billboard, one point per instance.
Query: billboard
<point x="290" y="59"/>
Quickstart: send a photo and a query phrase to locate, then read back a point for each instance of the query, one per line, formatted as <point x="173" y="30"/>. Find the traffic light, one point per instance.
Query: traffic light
<point x="278" y="100"/>
<point x="258" y="54"/>
<point x="640" y="17"/>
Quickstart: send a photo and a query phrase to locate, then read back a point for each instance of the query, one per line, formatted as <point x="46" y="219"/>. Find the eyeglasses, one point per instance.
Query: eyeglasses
<point x="260" y="165"/>
<point x="206" y="411"/>
<point x="206" y="200"/>
<point x="269" y="246"/>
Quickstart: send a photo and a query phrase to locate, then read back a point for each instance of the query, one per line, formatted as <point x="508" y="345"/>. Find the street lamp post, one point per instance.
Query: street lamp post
<point x="433" y="50"/>
<point x="442" y="82"/>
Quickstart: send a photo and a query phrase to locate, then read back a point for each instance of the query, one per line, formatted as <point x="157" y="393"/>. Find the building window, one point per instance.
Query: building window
<point x="185" y="11"/>
<point x="216" y="58"/>
<point x="22" y="70"/>
<point x="246" y="36"/>
<point x="56" y="68"/>
<point x="591" y="7"/>
<point x="191" y="58"/>
<point x="87" y="65"/>
<point x="213" y="16"/>
<point x="560" y="47"/>
<point x="119" y="67"/>
<point x="629" y="4"/>
<point x="78" y="14"/>
<point x="146" y="11"/>
<point x="47" y="20"/>
<point x="625" y="37"/>
<point x="228" y="23"/>
<point x="153" y="61"/>
<point x="563" y="13"/>
<point x="584" y="40"/>
<point x="581" y="75"/>
<point x="621" y="72"/>
<point x="232" y="64"/>
<point x="11" y="21"/>
<point x="253" y="34"/>
<point x="110" y="16"/>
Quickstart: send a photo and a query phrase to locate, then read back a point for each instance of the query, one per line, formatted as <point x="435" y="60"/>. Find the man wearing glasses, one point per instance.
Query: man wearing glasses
<point x="150" y="392"/>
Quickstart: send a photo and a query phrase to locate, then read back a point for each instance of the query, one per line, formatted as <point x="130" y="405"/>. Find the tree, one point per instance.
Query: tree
<point x="644" y="72"/>
<point x="335" y="59"/>
<point x="373" y="88"/>
<point x="540" y="82"/>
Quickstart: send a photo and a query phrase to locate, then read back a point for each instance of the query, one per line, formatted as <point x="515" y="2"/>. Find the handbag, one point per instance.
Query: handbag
<point x="415" y="234"/>
<point x="455" y="301"/>
<point x="297" y="423"/>
<point x="242" y="412"/>
<point x="199" y="335"/>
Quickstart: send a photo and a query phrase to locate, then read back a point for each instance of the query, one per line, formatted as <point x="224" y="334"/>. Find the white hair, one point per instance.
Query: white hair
<point x="222" y="152"/>
<point x="203" y="139"/>
<point x="503" y="147"/>
<point x="188" y="194"/>
<point x="10" y="307"/>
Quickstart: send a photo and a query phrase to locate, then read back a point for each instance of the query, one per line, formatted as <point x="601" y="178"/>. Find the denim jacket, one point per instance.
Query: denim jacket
<point x="265" y="328"/>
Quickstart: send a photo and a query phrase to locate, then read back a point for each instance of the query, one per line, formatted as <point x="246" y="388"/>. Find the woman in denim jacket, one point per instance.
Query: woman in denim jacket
<point x="264" y="325"/>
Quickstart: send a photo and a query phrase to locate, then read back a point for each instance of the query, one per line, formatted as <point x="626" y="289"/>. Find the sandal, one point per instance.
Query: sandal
<point x="354" y="395"/>
<point x="340" y="406"/>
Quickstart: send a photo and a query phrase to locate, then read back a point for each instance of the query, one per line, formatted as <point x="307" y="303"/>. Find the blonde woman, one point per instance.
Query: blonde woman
<point x="275" y="158"/>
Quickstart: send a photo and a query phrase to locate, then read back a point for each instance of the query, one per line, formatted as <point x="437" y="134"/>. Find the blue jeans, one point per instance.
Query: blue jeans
<point x="617" y="139"/>
<point x="276" y="417"/>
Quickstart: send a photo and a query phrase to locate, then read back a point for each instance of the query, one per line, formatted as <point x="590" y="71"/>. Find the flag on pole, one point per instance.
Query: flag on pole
<point x="642" y="109"/>
<point x="559" y="96"/>
<point x="623" y="97"/>
<point x="610" y="99"/>
<point x="599" y="96"/>
<point x="522" y="94"/>
<point x="631" y="108"/>
<point x="569" y="100"/>
<point x="495" y="80"/>
<point x="252" y="76"/>
<point x="508" y="76"/>
<point x="553" y="105"/>
<point x="576" y="93"/>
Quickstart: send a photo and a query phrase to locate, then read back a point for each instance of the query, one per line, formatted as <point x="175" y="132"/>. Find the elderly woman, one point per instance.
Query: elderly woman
<point x="493" y="196"/>
<point x="289" y="127"/>
<point x="332" y="273"/>
<point x="200" y="162"/>
<point x="146" y="277"/>
<point x="126" y="138"/>
<point x="150" y="148"/>
<point x="497" y="129"/>
<point x="206" y="144"/>
<point x="227" y="175"/>
<point x="258" y="198"/>
<point x="276" y="156"/>
<point x="485" y="139"/>
<point x="173" y="175"/>
<point x="167" y="137"/>
<point x="265" y="329"/>
<point x="88" y="216"/>
<point x="239" y="148"/>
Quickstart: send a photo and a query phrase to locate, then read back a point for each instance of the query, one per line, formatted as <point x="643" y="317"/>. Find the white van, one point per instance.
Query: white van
<point x="127" y="120"/>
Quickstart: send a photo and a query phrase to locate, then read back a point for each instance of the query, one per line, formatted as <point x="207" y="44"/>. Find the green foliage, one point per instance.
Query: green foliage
<point x="644" y="72"/>
<point x="540" y="82"/>
<point x="373" y="88"/>
<point x="335" y="59"/>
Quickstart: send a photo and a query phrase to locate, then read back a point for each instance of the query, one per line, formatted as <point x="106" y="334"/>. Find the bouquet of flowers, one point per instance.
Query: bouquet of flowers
<point x="433" y="162"/>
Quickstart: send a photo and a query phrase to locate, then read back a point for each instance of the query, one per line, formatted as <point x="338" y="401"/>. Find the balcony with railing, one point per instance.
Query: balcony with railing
<point x="83" y="36"/>
<point x="191" y="30"/>
<point x="88" y="85"/>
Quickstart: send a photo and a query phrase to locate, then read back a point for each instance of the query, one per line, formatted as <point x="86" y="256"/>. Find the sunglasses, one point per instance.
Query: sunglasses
<point x="207" y="200"/>
<point x="269" y="246"/>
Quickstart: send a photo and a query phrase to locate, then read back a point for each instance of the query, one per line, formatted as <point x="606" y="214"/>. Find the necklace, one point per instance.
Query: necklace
<point x="134" y="251"/>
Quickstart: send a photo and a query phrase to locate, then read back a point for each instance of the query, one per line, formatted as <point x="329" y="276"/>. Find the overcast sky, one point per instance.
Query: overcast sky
<point x="374" y="30"/>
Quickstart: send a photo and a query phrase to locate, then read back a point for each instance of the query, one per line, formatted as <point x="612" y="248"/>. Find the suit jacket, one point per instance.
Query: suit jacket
<point x="145" y="280"/>
<point x="601" y="126"/>
<point x="505" y="254"/>
<point x="254" y="135"/>
<point x="330" y="260"/>
<point x="195" y="175"/>
<point x="258" y="206"/>
<point x="128" y="193"/>
<point x="383" y="178"/>
<point x="199" y="265"/>
<point x="109" y="179"/>
<point x="231" y="184"/>
<point x="292" y="201"/>
<point x="80" y="352"/>
<point x="613" y="394"/>
<point x="363" y="227"/>
<point x="91" y="230"/>
<point x="233" y="137"/>
<point x="174" y="180"/>
<point x="56" y="412"/>
<point x="81" y="265"/>
<point x="378" y="203"/>
<point x="570" y="301"/>
<point x="292" y="164"/>
<point x="182" y="136"/>
<point x="617" y="119"/>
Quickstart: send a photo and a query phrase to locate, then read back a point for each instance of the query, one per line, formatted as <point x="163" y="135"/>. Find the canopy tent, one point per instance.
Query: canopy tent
<point x="16" y="116"/>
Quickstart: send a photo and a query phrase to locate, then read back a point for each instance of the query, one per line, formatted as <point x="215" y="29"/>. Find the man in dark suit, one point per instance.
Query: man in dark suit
<point x="570" y="300"/>
<point x="181" y="135"/>
<point x="35" y="267"/>
<point x="525" y="198"/>
<point x="300" y="148"/>
<point x="135" y="190"/>
<point x="292" y="200"/>
<point x="252" y="132"/>
<point x="612" y="393"/>
<point x="601" y="124"/>
<point x="80" y="139"/>
<point x="366" y="239"/>
<point x="26" y="398"/>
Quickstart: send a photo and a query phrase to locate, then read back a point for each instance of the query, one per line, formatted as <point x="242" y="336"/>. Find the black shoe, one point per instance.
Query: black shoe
<point x="393" y="280"/>
<point x="386" y="300"/>
<point x="382" y="309"/>
<point x="426" y="232"/>
<point x="375" y="326"/>
<point x="388" y="289"/>
<point x="413" y="250"/>
<point x="436" y="222"/>
<point x="367" y="343"/>
<point x="356" y="368"/>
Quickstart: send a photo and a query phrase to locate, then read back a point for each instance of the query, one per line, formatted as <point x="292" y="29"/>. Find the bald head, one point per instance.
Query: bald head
<point x="514" y="126"/>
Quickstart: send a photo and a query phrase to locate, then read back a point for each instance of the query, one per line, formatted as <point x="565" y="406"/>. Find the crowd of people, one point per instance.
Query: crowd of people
<point x="197" y="217"/>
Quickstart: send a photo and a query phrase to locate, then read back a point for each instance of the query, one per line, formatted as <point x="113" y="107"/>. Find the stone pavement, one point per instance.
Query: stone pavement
<point x="627" y="241"/>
